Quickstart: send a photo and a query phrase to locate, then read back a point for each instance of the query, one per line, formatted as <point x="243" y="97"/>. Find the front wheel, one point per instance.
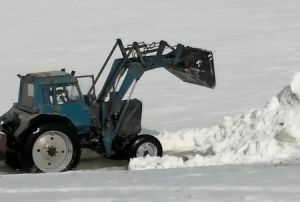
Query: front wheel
<point x="51" y="148"/>
<point x="145" y="145"/>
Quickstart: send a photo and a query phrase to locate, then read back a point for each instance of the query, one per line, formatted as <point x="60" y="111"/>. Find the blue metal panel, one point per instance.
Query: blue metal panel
<point x="78" y="113"/>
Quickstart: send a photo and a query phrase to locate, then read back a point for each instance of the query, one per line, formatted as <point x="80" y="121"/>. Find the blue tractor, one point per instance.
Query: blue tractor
<point x="55" y="116"/>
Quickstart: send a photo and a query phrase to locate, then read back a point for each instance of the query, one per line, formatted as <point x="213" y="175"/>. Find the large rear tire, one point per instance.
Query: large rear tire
<point x="50" y="148"/>
<point x="146" y="145"/>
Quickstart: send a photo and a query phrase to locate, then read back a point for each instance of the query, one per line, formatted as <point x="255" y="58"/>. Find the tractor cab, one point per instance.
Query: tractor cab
<point x="55" y="92"/>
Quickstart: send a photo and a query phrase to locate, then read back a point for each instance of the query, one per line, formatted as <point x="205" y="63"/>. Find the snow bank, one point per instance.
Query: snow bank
<point x="268" y="135"/>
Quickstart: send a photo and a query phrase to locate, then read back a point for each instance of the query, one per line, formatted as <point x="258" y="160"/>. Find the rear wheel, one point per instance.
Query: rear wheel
<point x="50" y="148"/>
<point x="145" y="145"/>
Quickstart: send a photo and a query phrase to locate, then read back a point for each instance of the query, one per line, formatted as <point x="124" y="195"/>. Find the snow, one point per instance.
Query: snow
<point x="267" y="135"/>
<point x="295" y="85"/>
<point x="227" y="183"/>
<point x="256" y="51"/>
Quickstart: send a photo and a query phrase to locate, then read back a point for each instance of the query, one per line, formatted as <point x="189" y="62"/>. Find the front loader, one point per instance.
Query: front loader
<point x="55" y="116"/>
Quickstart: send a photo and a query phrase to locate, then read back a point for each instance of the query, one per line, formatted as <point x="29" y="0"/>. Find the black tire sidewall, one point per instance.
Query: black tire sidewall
<point x="141" y="139"/>
<point x="27" y="163"/>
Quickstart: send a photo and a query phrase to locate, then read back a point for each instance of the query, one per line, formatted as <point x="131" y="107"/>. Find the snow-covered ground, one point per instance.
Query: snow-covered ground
<point x="256" y="50"/>
<point x="226" y="184"/>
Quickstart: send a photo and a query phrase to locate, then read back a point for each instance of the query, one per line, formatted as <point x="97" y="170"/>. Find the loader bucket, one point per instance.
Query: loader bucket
<point x="194" y="65"/>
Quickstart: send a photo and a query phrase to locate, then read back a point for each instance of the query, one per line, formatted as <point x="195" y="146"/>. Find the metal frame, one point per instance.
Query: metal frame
<point x="92" y="88"/>
<point x="144" y="57"/>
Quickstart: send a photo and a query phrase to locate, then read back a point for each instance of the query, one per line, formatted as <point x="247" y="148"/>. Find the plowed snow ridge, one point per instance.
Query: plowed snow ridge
<point x="267" y="135"/>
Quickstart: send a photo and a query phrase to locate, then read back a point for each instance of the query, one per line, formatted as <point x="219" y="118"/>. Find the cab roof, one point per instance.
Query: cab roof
<point x="51" y="77"/>
<point x="38" y="75"/>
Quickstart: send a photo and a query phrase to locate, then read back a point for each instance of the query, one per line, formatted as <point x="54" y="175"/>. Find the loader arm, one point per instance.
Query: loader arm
<point x="191" y="65"/>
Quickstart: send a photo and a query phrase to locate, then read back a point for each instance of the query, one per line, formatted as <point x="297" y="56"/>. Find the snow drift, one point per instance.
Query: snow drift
<point x="267" y="135"/>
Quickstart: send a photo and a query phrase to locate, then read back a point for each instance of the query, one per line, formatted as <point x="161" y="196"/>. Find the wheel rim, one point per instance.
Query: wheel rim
<point x="146" y="149"/>
<point x="52" y="151"/>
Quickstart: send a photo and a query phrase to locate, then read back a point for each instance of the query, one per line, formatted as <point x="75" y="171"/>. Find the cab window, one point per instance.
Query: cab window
<point x="67" y="94"/>
<point x="27" y="94"/>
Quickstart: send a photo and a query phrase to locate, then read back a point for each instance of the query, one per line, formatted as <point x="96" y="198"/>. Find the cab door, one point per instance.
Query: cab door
<point x="68" y="101"/>
<point x="87" y="85"/>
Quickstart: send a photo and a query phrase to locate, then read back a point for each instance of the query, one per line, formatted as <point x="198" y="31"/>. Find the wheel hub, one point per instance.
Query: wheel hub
<point x="146" y="149"/>
<point x="52" y="151"/>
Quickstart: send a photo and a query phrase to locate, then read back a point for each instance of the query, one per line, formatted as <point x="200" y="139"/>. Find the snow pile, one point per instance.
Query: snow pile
<point x="268" y="135"/>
